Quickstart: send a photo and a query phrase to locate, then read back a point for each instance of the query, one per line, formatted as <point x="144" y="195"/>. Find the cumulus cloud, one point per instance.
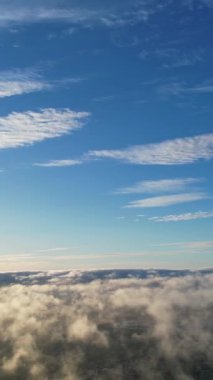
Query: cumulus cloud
<point x="162" y="185"/>
<point x="183" y="217"/>
<point x="151" y="328"/>
<point x="170" y="152"/>
<point x="20" y="129"/>
<point x="166" y="200"/>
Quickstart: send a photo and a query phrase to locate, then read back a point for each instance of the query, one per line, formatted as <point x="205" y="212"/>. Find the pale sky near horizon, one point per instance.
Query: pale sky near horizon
<point x="106" y="138"/>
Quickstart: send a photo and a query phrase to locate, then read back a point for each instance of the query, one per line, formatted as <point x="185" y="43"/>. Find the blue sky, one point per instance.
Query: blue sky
<point x="106" y="139"/>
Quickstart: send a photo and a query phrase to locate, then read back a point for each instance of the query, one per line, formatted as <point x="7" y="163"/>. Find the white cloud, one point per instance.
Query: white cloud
<point x="109" y="14"/>
<point x="76" y="328"/>
<point x="59" y="163"/>
<point x="170" y="152"/>
<point x="20" y="129"/>
<point x="183" y="217"/>
<point x="32" y="13"/>
<point x="17" y="82"/>
<point x="163" y="185"/>
<point x="9" y="88"/>
<point x="167" y="200"/>
<point x="50" y="11"/>
<point x="83" y="13"/>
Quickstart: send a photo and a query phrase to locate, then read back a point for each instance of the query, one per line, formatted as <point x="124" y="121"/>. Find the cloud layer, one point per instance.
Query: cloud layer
<point x="20" y="129"/>
<point x="113" y="329"/>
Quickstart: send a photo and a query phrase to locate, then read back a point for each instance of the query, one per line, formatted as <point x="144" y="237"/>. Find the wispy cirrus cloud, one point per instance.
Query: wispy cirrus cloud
<point x="59" y="163"/>
<point x="17" y="82"/>
<point x="26" y="128"/>
<point x="191" y="245"/>
<point x="201" y="3"/>
<point x="162" y="185"/>
<point x="172" y="57"/>
<point x="84" y="13"/>
<point x="55" y="249"/>
<point x="32" y="12"/>
<point x="206" y="244"/>
<point x="167" y="200"/>
<point x="180" y="151"/>
<point x="17" y="87"/>
<point x="182" y="88"/>
<point x="110" y="14"/>
<point x="186" y="150"/>
<point x="183" y="217"/>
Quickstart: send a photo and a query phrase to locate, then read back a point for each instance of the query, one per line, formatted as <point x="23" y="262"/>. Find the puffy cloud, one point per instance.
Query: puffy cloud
<point x="151" y="328"/>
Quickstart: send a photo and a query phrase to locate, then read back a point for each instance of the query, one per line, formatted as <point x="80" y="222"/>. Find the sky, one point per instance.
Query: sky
<point x="106" y="139"/>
